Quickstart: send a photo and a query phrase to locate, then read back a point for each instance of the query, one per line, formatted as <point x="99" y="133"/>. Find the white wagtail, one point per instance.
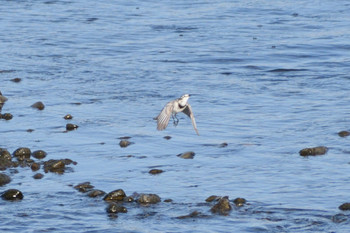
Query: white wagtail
<point x="171" y="109"/>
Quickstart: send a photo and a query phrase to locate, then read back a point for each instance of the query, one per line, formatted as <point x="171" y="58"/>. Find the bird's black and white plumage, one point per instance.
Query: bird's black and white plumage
<point x="171" y="109"/>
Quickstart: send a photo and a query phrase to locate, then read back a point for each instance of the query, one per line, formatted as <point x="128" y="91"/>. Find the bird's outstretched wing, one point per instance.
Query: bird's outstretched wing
<point x="188" y="112"/>
<point x="164" y="116"/>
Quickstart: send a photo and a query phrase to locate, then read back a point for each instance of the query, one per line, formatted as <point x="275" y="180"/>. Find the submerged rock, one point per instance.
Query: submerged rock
<point x="319" y="150"/>
<point x="167" y="137"/>
<point x="212" y="198"/>
<point x="39" y="154"/>
<point x="70" y="127"/>
<point x="148" y="199"/>
<point x="187" y="155"/>
<point x="6" y="116"/>
<point x="16" y="80"/>
<point x="116" y="195"/>
<point x="84" y="187"/>
<point x="239" y="201"/>
<point x="12" y="195"/>
<point x="38" y="176"/>
<point x="155" y="171"/>
<point x="38" y="105"/>
<point x="222" y="207"/>
<point x="96" y="193"/>
<point x="194" y="214"/>
<point x="22" y="153"/>
<point x="35" y="166"/>
<point x="224" y="144"/>
<point x="4" y="179"/>
<point x="345" y="206"/>
<point x="115" y="208"/>
<point x="57" y="166"/>
<point x="344" y="133"/>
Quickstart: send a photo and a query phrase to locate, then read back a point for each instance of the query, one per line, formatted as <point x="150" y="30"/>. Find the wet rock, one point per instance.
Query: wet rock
<point x="345" y="206"/>
<point x="12" y="195"/>
<point x="168" y="200"/>
<point x="39" y="154"/>
<point x="38" y="105"/>
<point x="222" y="207"/>
<point x="4" y="154"/>
<point x="6" y="116"/>
<point x="239" y="201"/>
<point x="96" y="193"/>
<point x="4" y="179"/>
<point x="57" y="166"/>
<point x="70" y="127"/>
<point x="155" y="171"/>
<point x="35" y="166"/>
<point x="3" y="99"/>
<point x="84" y="187"/>
<point x="38" y="176"/>
<point x="320" y="150"/>
<point x="16" y="80"/>
<point x="344" y="133"/>
<point x="187" y="155"/>
<point x="115" y="208"/>
<point x="129" y="199"/>
<point x="68" y="117"/>
<point x="222" y="145"/>
<point x="194" y="214"/>
<point x="116" y="195"/>
<point x="148" y="199"/>
<point x="124" y="143"/>
<point x="212" y="198"/>
<point x="167" y="137"/>
<point x="22" y="153"/>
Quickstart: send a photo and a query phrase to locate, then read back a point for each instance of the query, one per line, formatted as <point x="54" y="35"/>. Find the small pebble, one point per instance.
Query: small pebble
<point x="124" y="143"/>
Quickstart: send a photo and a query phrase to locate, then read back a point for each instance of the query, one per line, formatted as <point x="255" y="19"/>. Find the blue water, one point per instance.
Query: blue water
<point x="267" y="77"/>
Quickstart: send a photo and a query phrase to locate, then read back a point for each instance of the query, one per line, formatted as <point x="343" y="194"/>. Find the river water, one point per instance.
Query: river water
<point x="268" y="78"/>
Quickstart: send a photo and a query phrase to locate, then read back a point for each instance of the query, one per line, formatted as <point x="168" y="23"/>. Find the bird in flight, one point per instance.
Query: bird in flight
<point x="171" y="109"/>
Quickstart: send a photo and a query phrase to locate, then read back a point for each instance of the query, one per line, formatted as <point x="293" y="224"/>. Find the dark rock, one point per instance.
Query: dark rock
<point x="57" y="166"/>
<point x="39" y="154"/>
<point x="16" y="80"/>
<point x="148" y="199"/>
<point x="124" y="138"/>
<point x="4" y="154"/>
<point x="239" y="201"/>
<point x="30" y="130"/>
<point x="168" y="200"/>
<point x="38" y="176"/>
<point x="116" y="195"/>
<point x="4" y="179"/>
<point x="35" y="166"/>
<point x="114" y="208"/>
<point x="222" y="207"/>
<point x="155" y="171"/>
<point x="22" y="153"/>
<point x="187" y="155"/>
<point x="212" y="198"/>
<point x="194" y="214"/>
<point x="68" y="117"/>
<point x="124" y="143"/>
<point x="6" y="116"/>
<point x="71" y="126"/>
<point x="96" y="193"/>
<point x="344" y="133"/>
<point x="38" y="105"/>
<point x="84" y="187"/>
<point x="167" y="137"/>
<point x="320" y="150"/>
<point x="3" y="99"/>
<point x="12" y="195"/>
<point x="345" y="206"/>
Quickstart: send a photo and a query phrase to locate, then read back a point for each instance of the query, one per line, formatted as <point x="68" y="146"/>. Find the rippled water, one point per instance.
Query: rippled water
<point x="267" y="77"/>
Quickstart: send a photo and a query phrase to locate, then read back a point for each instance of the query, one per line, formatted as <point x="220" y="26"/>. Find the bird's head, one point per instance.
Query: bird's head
<point x="183" y="99"/>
